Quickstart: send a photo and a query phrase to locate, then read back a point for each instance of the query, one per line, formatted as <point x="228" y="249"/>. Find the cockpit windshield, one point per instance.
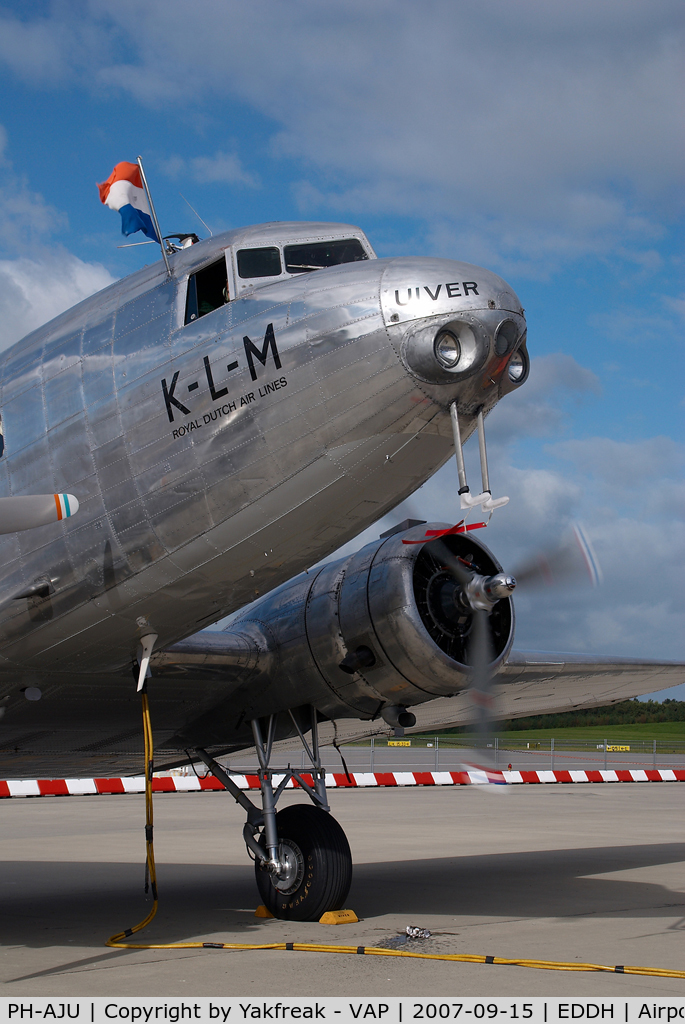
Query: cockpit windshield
<point x="315" y="255"/>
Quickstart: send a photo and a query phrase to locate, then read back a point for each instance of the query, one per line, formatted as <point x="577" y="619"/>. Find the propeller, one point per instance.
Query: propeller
<point x="480" y="689"/>
<point x="478" y="594"/>
<point x="566" y="562"/>
<point x="572" y="560"/>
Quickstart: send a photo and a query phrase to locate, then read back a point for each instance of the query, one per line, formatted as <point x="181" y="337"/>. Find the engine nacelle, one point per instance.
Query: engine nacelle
<point x="385" y="627"/>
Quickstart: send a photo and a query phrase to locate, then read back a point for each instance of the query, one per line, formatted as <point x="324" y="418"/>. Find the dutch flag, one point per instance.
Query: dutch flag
<point x="123" y="191"/>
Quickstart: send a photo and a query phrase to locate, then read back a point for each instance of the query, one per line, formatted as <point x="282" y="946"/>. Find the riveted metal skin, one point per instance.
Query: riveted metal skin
<point x="337" y="622"/>
<point x="179" y="510"/>
<point x="214" y="461"/>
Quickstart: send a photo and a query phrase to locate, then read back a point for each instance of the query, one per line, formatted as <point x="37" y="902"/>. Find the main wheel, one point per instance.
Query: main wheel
<point x="319" y="861"/>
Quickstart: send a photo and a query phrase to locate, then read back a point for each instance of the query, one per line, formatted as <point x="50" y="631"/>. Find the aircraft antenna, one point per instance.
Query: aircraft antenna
<point x="211" y="233"/>
<point x="154" y="215"/>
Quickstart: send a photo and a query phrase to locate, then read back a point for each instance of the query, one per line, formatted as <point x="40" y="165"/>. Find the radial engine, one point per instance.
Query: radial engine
<point x="366" y="636"/>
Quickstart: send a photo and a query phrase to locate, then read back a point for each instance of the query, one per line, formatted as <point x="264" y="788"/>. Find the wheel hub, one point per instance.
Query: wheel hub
<point x="292" y="868"/>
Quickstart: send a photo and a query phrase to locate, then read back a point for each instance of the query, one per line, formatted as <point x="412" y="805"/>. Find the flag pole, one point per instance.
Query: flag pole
<point x="154" y="215"/>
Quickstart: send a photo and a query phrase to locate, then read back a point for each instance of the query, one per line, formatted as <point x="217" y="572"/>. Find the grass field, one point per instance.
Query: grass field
<point x="667" y="734"/>
<point x="659" y="731"/>
<point x="670" y="737"/>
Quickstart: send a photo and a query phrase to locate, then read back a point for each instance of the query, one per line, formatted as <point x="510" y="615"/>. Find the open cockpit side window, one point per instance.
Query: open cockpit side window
<point x="316" y="255"/>
<point x="207" y="290"/>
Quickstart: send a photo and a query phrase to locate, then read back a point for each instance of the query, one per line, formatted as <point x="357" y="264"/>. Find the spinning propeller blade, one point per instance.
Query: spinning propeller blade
<point x="480" y="594"/>
<point x="572" y="560"/>
<point x="480" y="689"/>
<point x="456" y="566"/>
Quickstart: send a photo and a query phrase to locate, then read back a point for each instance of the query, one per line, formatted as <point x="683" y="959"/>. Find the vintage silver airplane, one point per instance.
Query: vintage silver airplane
<point x="218" y="427"/>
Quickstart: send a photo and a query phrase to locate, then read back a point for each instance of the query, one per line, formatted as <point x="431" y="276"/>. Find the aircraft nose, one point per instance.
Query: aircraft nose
<point x="452" y="320"/>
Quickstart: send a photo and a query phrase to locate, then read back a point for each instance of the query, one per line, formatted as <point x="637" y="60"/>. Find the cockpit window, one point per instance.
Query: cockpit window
<point x="259" y="262"/>
<point x="207" y="290"/>
<point x="315" y="255"/>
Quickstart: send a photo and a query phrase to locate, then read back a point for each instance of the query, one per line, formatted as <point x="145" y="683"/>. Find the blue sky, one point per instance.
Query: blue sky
<point x="541" y="140"/>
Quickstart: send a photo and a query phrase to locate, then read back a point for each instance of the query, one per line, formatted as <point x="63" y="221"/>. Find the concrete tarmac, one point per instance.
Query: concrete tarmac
<point x="573" y="873"/>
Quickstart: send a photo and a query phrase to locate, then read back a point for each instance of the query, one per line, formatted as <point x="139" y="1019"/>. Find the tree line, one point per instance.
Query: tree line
<point x="625" y="712"/>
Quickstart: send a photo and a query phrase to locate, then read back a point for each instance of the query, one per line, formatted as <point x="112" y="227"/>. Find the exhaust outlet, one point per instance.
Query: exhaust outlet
<point x="398" y="717"/>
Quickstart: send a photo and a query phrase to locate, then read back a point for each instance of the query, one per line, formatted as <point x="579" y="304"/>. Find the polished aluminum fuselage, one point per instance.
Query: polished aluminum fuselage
<point x="187" y="515"/>
<point x="216" y="460"/>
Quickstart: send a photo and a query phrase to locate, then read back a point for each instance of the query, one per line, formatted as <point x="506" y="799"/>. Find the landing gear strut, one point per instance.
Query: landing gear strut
<point x="303" y="864"/>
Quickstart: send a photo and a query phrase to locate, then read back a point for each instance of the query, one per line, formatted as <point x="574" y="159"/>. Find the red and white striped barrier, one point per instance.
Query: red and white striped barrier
<point x="358" y="780"/>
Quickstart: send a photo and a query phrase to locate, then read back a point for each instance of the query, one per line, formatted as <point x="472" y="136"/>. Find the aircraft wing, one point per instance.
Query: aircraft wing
<point x="204" y="688"/>
<point x="379" y="630"/>
<point x="533" y="683"/>
<point x="529" y="683"/>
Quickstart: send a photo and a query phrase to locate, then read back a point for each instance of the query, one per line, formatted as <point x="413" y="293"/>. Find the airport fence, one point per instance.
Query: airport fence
<point x="447" y="752"/>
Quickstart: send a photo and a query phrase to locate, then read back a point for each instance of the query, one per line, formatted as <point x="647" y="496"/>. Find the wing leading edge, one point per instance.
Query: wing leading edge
<point x="529" y="683"/>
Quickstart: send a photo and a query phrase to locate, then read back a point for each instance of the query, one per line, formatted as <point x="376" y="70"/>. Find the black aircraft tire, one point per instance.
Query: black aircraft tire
<point x="326" y="873"/>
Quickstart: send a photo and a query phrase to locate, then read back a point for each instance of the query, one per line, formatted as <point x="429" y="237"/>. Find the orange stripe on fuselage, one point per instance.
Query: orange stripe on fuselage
<point x="59" y="507"/>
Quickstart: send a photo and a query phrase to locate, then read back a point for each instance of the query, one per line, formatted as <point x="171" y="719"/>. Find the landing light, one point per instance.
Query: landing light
<point x="439" y="352"/>
<point x="506" y="337"/>
<point x="447" y="349"/>
<point x="517" y="368"/>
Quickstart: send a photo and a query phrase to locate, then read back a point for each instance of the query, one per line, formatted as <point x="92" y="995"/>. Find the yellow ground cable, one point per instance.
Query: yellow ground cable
<point x="116" y="941"/>
<point x="150" y="871"/>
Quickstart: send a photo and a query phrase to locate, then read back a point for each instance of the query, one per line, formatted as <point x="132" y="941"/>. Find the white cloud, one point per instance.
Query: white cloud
<point x="538" y="131"/>
<point x="637" y="612"/>
<point x="54" y="48"/>
<point x="629" y="497"/>
<point x="624" y="464"/>
<point x="36" y="284"/>
<point x="34" y="50"/>
<point x="224" y="168"/>
<point x="676" y="304"/>
<point x="632" y="325"/>
<point x="538" y="408"/>
<point x="34" y="291"/>
<point x="25" y="217"/>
